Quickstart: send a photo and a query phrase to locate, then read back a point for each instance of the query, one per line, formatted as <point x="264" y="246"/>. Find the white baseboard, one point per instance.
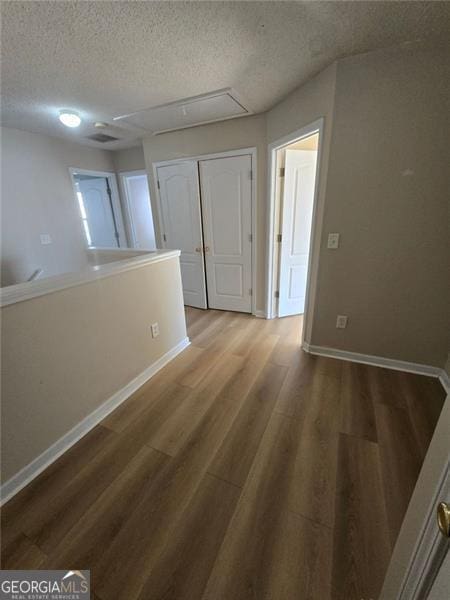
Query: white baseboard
<point x="380" y="361"/>
<point x="445" y="381"/>
<point x="260" y="314"/>
<point x="39" y="464"/>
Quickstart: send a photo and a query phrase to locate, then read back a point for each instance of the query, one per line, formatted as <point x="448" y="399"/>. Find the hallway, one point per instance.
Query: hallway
<point x="245" y="469"/>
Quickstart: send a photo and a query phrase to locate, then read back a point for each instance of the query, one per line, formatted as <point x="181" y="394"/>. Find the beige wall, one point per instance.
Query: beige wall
<point x="244" y="132"/>
<point x="66" y="353"/>
<point x="387" y="195"/>
<point x="37" y="197"/>
<point x="129" y="159"/>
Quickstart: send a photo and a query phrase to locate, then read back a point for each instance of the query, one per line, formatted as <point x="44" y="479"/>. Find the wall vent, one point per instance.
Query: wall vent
<point x="102" y="138"/>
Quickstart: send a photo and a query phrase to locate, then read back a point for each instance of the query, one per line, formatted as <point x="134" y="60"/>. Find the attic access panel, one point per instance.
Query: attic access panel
<point x="189" y="112"/>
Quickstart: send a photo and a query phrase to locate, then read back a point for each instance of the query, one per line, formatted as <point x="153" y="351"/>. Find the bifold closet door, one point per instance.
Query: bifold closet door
<point x="226" y="193"/>
<point x="182" y="224"/>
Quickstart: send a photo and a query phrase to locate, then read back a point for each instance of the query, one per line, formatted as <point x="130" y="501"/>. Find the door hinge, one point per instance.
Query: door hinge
<point x="164" y="237"/>
<point x="279" y="238"/>
<point x="250" y="292"/>
<point x="277" y="294"/>
<point x="157" y="183"/>
<point x="250" y="238"/>
<point x="281" y="172"/>
<point x="251" y="174"/>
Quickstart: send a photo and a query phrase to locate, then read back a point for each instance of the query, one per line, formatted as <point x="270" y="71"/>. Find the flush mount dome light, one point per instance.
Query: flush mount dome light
<point x="69" y="118"/>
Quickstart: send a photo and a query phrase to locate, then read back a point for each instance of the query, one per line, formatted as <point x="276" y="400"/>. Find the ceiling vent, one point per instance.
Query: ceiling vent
<point x="188" y="112"/>
<point x="102" y="138"/>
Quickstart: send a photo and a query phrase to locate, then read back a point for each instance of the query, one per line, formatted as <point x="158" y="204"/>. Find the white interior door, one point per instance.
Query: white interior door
<point x="182" y="226"/>
<point x="97" y="212"/>
<point x="297" y="208"/>
<point x="140" y="215"/>
<point x="226" y="187"/>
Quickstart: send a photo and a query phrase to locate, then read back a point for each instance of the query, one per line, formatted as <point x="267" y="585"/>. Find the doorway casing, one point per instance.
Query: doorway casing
<point x="316" y="127"/>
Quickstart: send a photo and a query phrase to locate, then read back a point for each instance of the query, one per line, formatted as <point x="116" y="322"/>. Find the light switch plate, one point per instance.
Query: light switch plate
<point x="155" y="329"/>
<point x="45" y="239"/>
<point x="341" y="322"/>
<point x="333" y="241"/>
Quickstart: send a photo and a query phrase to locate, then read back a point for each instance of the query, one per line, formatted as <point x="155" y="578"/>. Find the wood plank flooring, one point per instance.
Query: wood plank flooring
<point x="244" y="470"/>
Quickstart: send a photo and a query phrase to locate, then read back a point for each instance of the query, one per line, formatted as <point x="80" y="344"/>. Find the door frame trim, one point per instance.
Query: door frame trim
<point x="252" y="151"/>
<point x="311" y="282"/>
<point x="111" y="176"/>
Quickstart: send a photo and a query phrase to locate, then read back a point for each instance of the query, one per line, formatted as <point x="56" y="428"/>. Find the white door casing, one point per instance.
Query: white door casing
<point x="182" y="227"/>
<point x="102" y="222"/>
<point x="226" y="192"/>
<point x="297" y="210"/>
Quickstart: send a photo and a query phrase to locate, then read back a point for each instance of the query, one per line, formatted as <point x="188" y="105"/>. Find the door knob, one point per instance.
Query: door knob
<point x="443" y="518"/>
<point x="198" y="249"/>
<point x="206" y="248"/>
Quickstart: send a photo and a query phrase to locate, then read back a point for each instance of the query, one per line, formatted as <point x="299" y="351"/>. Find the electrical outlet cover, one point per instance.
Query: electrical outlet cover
<point x="333" y="241"/>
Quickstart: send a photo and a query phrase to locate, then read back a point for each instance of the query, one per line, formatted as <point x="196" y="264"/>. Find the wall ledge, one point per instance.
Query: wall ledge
<point x="32" y="289"/>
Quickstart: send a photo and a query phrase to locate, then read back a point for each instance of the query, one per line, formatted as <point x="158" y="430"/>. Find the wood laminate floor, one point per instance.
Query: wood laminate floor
<point x="244" y="470"/>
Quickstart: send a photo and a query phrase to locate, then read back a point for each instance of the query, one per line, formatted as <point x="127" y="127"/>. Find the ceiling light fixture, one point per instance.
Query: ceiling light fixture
<point x="69" y="118"/>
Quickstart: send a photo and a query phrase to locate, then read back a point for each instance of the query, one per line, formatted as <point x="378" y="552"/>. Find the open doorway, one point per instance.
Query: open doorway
<point x="294" y="165"/>
<point x="138" y="209"/>
<point x="99" y="206"/>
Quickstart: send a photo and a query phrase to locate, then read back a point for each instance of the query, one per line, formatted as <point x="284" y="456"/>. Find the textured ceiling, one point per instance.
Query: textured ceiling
<point x="112" y="58"/>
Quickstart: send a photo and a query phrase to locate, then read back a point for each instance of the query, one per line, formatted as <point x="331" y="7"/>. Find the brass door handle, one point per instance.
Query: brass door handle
<point x="443" y="518"/>
<point x="206" y="248"/>
<point x="198" y="249"/>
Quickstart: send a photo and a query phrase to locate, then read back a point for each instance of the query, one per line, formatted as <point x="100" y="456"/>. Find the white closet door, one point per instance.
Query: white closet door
<point x="226" y="188"/>
<point x="180" y="207"/>
<point x="298" y="200"/>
